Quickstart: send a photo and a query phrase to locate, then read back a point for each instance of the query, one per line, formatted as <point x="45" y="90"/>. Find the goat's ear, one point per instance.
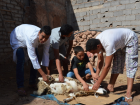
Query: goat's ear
<point x="40" y="78"/>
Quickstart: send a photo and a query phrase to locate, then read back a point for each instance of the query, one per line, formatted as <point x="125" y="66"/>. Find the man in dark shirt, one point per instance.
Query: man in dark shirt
<point x="78" y="67"/>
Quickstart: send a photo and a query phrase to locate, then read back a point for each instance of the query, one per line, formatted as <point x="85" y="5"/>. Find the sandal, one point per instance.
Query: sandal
<point x="128" y="99"/>
<point x="22" y="92"/>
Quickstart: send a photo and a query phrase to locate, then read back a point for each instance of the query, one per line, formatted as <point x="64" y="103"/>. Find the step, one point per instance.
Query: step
<point x="5" y="10"/>
<point x="10" y="21"/>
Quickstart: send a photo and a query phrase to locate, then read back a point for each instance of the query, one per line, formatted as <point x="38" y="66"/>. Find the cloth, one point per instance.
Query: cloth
<point x="26" y="36"/>
<point x="20" y="69"/>
<point x="129" y="54"/>
<point x="81" y="73"/>
<point x="114" y="39"/>
<point x="55" y="39"/>
<point x="80" y="65"/>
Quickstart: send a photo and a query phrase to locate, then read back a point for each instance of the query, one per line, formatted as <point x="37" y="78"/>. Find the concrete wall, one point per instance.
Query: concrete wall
<point x="104" y="14"/>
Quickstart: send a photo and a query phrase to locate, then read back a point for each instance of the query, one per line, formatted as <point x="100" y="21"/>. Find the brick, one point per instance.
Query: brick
<point x="7" y="49"/>
<point x="93" y="17"/>
<point x="103" y="10"/>
<point x="3" y="46"/>
<point x="107" y="4"/>
<point x="117" y="24"/>
<point x="126" y="23"/>
<point x="130" y="17"/>
<point x="7" y="1"/>
<point x="109" y="14"/>
<point x="115" y="3"/>
<point x="88" y="4"/>
<point x="10" y="5"/>
<point x="1" y="50"/>
<point x="95" y="21"/>
<point x="138" y="5"/>
<point x="137" y="17"/>
<point x="118" y="13"/>
<point x="120" y="18"/>
<point x="136" y="11"/>
<point x="120" y="7"/>
<point x="96" y="3"/>
<point x="86" y="27"/>
<point x="79" y="1"/>
<point x="135" y="22"/>
<point x="104" y="20"/>
<point x="130" y="6"/>
<point x="13" y="2"/>
<point x="96" y="11"/>
<point x="127" y="12"/>
<point x="124" y="2"/>
<point x="81" y="5"/>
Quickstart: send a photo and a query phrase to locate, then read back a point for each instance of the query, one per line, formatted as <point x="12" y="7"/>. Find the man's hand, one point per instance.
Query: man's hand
<point x="96" y="86"/>
<point x="61" y="79"/>
<point x="95" y="76"/>
<point x="45" y="78"/>
<point x="86" y="87"/>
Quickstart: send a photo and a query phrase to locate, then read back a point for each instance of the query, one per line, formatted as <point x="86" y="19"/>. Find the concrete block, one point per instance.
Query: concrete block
<point x="95" y="21"/>
<point x="90" y="22"/>
<point x="103" y="10"/>
<point x="88" y="4"/>
<point x="133" y="1"/>
<point x="126" y="23"/>
<point x="115" y="3"/>
<point x="130" y="6"/>
<point x="106" y="24"/>
<point x="13" y="2"/>
<point x="93" y="26"/>
<point x="96" y="11"/>
<point x="7" y="1"/>
<point x="130" y="17"/>
<point x="137" y="17"/>
<point x="112" y="19"/>
<point x="100" y="25"/>
<point x="114" y="8"/>
<point x="86" y="27"/>
<point x="104" y="20"/>
<point x="93" y="17"/>
<point x="73" y="2"/>
<point x="90" y="12"/>
<point x="83" y="14"/>
<point x="127" y="12"/>
<point x="7" y="49"/>
<point x="3" y="46"/>
<point x="109" y="14"/>
<point x="85" y="0"/>
<point x="107" y="4"/>
<point x="138" y="5"/>
<point x="137" y="28"/>
<point x="10" y="5"/>
<point x="79" y="19"/>
<point x="84" y="23"/>
<point x="17" y="7"/>
<point x="120" y="18"/>
<point x="75" y="7"/>
<point x="81" y="28"/>
<point x="135" y="23"/>
<point x="101" y="15"/>
<point x="124" y="2"/>
<point x="86" y="18"/>
<point x="120" y="7"/>
<point x="117" y="24"/>
<point x="118" y="13"/>
<point x="95" y="3"/>
<point x="136" y="11"/>
<point x="79" y="1"/>
<point x="81" y="5"/>
<point x="79" y="23"/>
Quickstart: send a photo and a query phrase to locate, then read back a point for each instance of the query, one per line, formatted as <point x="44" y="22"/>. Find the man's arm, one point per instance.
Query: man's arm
<point x="69" y="48"/>
<point x="100" y="63"/>
<point x="58" y="64"/>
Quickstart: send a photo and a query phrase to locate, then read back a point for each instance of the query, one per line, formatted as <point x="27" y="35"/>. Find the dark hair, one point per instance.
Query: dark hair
<point x="46" y="30"/>
<point x="92" y="44"/>
<point x="66" y="29"/>
<point x="78" y="49"/>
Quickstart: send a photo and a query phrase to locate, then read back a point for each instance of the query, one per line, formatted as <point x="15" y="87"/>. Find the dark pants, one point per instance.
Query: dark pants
<point x="20" y="69"/>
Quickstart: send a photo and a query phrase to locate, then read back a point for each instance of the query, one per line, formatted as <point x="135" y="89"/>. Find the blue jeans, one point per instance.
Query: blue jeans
<point x="82" y="73"/>
<point x="20" y="69"/>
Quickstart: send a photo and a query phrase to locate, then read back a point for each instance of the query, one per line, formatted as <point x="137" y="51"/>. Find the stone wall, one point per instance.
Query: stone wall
<point x="104" y="14"/>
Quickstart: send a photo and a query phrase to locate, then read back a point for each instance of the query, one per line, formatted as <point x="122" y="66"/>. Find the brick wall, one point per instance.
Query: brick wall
<point x="104" y="14"/>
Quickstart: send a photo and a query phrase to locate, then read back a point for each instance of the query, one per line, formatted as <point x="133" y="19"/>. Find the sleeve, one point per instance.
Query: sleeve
<point x="110" y="49"/>
<point x="45" y="58"/>
<point x="74" y="63"/>
<point x="86" y="58"/>
<point x="32" y="54"/>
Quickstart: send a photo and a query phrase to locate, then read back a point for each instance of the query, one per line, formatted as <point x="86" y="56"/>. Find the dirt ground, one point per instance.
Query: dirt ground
<point x="9" y="96"/>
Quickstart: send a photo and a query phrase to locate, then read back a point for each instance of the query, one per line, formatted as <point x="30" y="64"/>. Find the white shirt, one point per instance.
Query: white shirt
<point x="114" y="39"/>
<point x="56" y="40"/>
<point x="26" y="36"/>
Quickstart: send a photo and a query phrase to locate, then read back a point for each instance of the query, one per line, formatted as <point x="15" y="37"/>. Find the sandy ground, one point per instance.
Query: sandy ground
<point x="9" y="96"/>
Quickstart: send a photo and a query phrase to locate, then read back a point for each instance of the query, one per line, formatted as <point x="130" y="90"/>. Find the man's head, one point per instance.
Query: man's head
<point x="79" y="52"/>
<point x="44" y="34"/>
<point x="66" y="31"/>
<point x="93" y="46"/>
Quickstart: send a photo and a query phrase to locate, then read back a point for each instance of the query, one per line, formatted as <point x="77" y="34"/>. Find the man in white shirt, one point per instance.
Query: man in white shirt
<point x="58" y="38"/>
<point x="120" y="45"/>
<point x="24" y="40"/>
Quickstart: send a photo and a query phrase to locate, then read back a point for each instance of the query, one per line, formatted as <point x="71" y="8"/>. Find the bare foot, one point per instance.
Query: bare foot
<point x="110" y="87"/>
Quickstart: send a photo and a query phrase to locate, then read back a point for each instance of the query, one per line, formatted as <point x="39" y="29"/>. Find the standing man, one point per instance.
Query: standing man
<point x="120" y="45"/>
<point x="24" y="40"/>
<point x="58" y="38"/>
